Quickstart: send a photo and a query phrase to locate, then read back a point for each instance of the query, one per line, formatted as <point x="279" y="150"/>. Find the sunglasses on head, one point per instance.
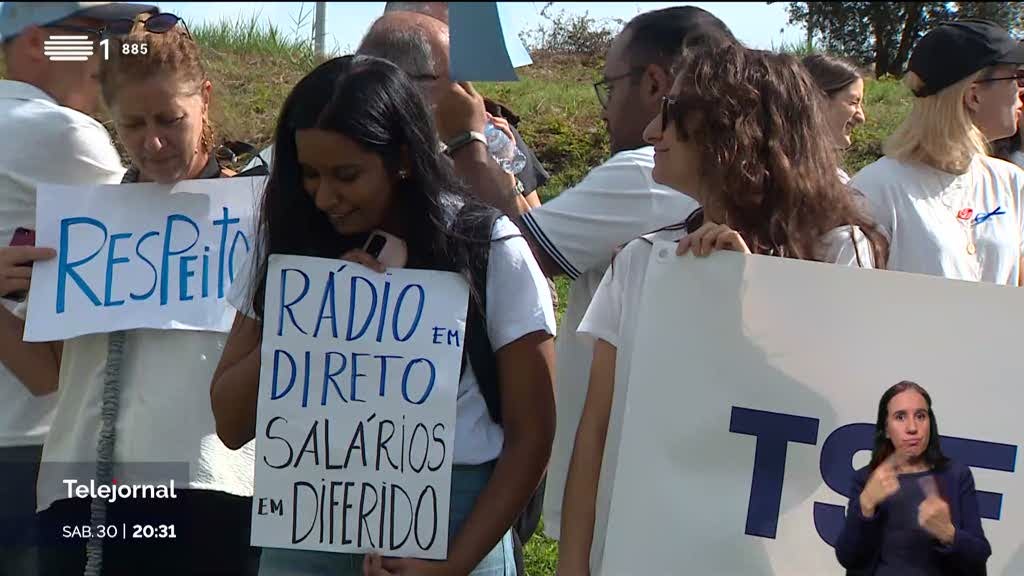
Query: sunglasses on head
<point x="156" y="24"/>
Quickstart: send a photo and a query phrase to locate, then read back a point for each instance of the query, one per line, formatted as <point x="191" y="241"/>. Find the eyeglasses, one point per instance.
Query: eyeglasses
<point x="668" y="104"/>
<point x="157" y="24"/>
<point x="603" y="87"/>
<point x="1018" y="76"/>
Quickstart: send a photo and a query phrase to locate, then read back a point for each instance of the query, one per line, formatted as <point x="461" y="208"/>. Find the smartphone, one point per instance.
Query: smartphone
<point x="23" y="237"/>
<point x="390" y="250"/>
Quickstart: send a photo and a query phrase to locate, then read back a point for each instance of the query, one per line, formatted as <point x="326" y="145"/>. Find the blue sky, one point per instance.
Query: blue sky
<point x="757" y="24"/>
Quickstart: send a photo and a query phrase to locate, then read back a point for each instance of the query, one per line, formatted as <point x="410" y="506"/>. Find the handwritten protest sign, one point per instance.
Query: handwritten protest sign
<point x="356" y="417"/>
<point x="750" y="399"/>
<point x="139" y="256"/>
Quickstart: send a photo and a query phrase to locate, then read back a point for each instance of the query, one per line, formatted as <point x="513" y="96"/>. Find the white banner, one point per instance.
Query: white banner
<point x="356" y="420"/>
<point x="753" y="394"/>
<point x="139" y="256"/>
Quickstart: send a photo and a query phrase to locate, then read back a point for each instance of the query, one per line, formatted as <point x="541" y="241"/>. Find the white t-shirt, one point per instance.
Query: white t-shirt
<point x="917" y="207"/>
<point x="518" y="303"/>
<point x="612" y="317"/>
<point x="42" y="142"/>
<point x="581" y="229"/>
<point x="843" y="176"/>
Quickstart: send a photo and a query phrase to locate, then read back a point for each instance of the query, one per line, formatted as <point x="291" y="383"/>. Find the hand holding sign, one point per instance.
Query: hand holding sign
<point x="16" y="267"/>
<point x="360" y="256"/>
<point x="710" y="237"/>
<point x="882" y="483"/>
<point x="933" y="514"/>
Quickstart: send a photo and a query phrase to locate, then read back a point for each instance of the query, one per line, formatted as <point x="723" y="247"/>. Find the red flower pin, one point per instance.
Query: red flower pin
<point x="965" y="214"/>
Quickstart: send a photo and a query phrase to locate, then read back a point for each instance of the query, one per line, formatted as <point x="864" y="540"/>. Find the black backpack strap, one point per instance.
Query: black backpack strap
<point x="478" y="350"/>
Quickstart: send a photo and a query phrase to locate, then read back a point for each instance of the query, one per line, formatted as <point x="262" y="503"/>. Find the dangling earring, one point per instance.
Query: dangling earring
<point x="403" y="174"/>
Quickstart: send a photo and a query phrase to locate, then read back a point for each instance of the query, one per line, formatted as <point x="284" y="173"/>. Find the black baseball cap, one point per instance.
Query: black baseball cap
<point x="953" y="51"/>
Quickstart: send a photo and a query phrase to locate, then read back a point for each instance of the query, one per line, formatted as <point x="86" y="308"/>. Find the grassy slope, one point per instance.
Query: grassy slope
<point x="253" y="70"/>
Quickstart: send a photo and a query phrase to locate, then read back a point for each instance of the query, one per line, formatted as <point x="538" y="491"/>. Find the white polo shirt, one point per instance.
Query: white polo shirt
<point x="932" y="218"/>
<point x="581" y="229"/>
<point x="41" y="142"/>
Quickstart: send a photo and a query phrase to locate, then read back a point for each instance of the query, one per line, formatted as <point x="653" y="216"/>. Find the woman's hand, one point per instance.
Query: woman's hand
<point x="16" y="267"/>
<point x="711" y="237"/>
<point x="882" y="483"/>
<point x="374" y="565"/>
<point x="360" y="256"/>
<point x="933" y="514"/>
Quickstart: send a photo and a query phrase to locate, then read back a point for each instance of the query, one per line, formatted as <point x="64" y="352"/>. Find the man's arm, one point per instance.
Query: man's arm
<point x="460" y="110"/>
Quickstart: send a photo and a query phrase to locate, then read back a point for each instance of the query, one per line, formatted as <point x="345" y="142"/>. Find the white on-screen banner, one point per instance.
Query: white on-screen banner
<point x="752" y="396"/>
<point x="356" y="419"/>
<point x="139" y="256"/>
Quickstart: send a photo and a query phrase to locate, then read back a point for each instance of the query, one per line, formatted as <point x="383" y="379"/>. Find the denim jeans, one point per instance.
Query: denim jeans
<point x="467" y="483"/>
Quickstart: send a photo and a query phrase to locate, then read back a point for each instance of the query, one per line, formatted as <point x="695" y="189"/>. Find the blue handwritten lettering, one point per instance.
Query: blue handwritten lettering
<point x="274" y="394"/>
<point x="66" y="269"/>
<point x="223" y="223"/>
<point x="398" y="309"/>
<point x="111" y="262"/>
<point x="384" y="369"/>
<point x="356" y="375"/>
<point x="184" y="273"/>
<point x="328" y="300"/>
<point x="165" y="278"/>
<point x="353" y="293"/>
<point x="329" y="376"/>
<point x="430" y="382"/>
<point x="156" y="275"/>
<point x="288" y="307"/>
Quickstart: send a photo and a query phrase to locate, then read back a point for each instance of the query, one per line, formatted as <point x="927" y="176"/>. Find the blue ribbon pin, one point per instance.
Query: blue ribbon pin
<point x="983" y="217"/>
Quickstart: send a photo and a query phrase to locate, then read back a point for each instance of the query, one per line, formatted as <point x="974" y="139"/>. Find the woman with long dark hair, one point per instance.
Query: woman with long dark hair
<point x="356" y="150"/>
<point x="912" y="510"/>
<point x="741" y="133"/>
<point x="842" y="87"/>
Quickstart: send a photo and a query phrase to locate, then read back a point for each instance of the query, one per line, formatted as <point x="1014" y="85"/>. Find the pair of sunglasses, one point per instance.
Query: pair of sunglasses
<point x="157" y="24"/>
<point x="668" y="106"/>
<point x="1018" y="76"/>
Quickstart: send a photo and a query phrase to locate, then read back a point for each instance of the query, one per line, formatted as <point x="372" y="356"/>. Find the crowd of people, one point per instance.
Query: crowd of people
<point x="714" y="146"/>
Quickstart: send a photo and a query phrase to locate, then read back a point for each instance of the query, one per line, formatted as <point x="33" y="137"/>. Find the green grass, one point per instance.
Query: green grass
<point x="253" y="67"/>
<point x="541" y="554"/>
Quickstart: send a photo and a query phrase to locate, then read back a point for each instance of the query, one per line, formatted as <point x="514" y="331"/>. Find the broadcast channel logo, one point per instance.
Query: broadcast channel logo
<point x="68" y="48"/>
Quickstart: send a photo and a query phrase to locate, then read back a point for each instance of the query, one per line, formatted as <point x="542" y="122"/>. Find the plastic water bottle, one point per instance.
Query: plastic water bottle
<point x="504" y="150"/>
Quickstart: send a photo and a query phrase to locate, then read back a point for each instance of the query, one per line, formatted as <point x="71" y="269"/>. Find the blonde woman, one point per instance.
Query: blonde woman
<point x="947" y="207"/>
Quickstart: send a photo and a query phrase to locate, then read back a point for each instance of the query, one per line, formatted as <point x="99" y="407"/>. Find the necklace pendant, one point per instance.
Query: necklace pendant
<point x="971" y="249"/>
